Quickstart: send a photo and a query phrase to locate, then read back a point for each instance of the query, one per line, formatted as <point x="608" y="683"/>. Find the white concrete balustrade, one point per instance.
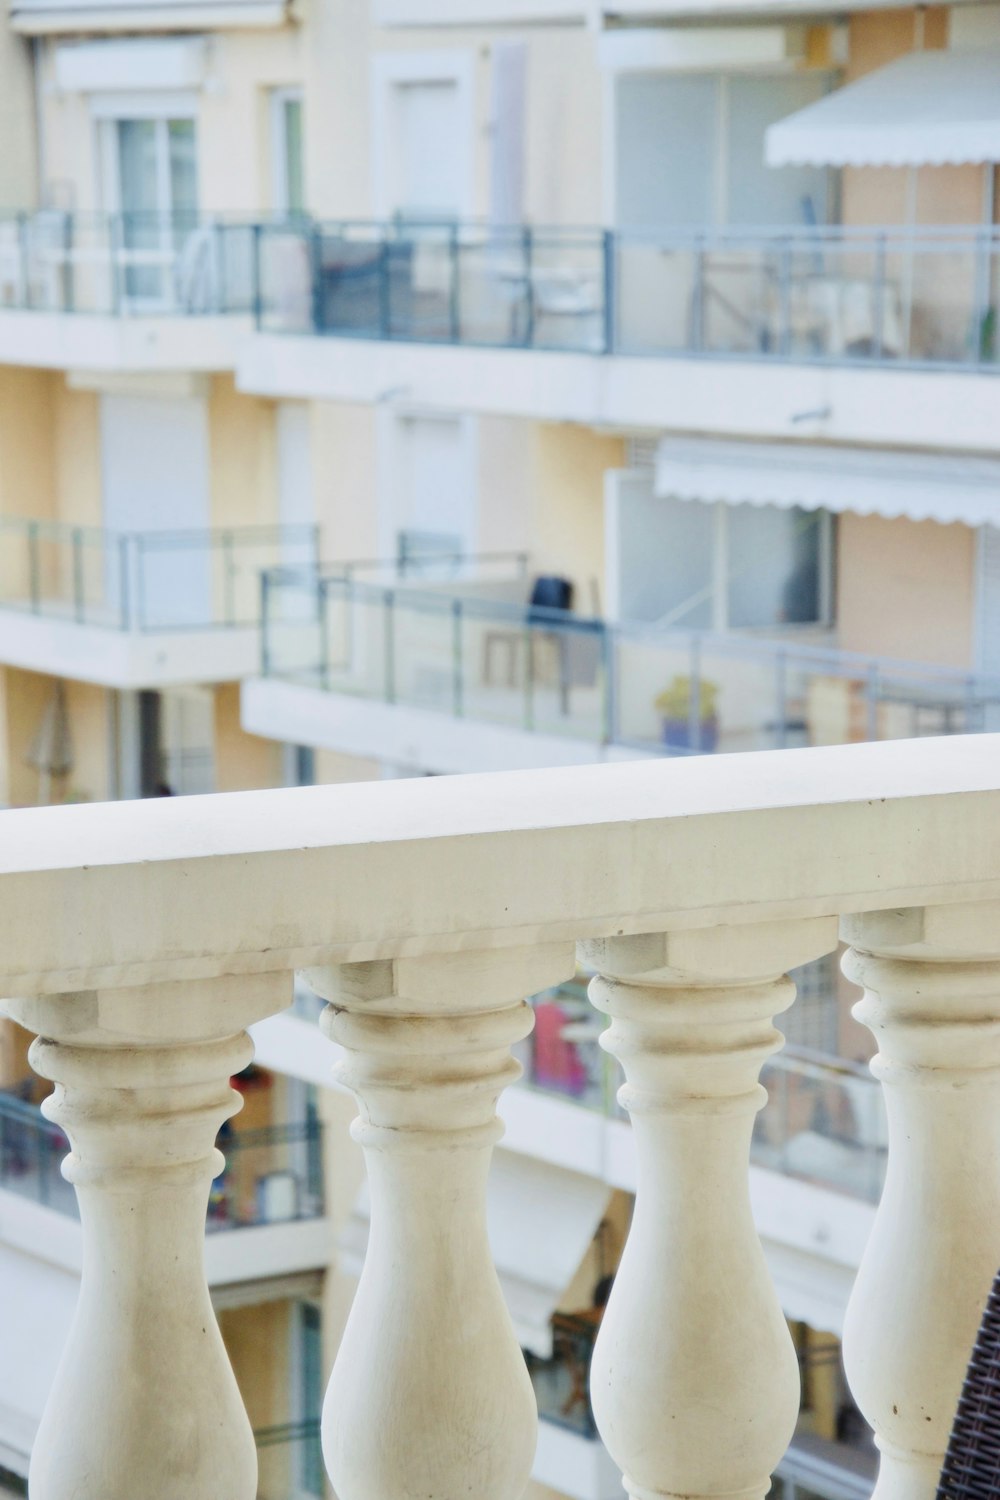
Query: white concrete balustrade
<point x="139" y="940"/>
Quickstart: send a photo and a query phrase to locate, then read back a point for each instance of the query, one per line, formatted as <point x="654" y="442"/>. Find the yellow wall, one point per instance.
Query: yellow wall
<point x="243" y="762"/>
<point x="258" y="1340"/>
<point x="234" y="168"/>
<point x="878" y="195"/>
<point x="26" y="697"/>
<point x="569" y="527"/>
<point x="77" y="438"/>
<point x="241" y="456"/>
<point x="563" y="113"/>
<point x="906" y="588"/>
<point x="27" y="464"/>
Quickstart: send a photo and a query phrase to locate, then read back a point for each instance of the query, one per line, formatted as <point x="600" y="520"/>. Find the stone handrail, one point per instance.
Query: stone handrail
<point x="141" y="939"/>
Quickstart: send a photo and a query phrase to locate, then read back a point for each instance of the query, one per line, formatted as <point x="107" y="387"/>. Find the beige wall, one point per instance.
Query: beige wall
<point x="234" y="149"/>
<point x="344" y="455"/>
<point x="27" y="460"/>
<point x="258" y="1340"/>
<point x="569" y="526"/>
<point x="878" y="195"/>
<point x="563" y="114"/>
<point x="243" y="762"/>
<point x="25" y="697"/>
<point x="906" y="589"/>
<point x="242" y="457"/>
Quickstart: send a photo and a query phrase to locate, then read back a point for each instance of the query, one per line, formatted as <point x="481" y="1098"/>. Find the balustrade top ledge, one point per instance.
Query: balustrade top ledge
<point x="137" y="892"/>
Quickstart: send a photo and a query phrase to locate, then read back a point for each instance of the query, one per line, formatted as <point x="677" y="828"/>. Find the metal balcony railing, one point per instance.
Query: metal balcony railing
<point x="144" y="580"/>
<point x="825" y="1121"/>
<point x="272" y="1175"/>
<point x="128" y="264"/>
<point x="889" y="295"/>
<point x="472" y="648"/>
<point x="290" y="1461"/>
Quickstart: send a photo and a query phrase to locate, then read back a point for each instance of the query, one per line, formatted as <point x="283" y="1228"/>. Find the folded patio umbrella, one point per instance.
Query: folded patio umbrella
<point x="51" y="751"/>
<point x="972" y="1463"/>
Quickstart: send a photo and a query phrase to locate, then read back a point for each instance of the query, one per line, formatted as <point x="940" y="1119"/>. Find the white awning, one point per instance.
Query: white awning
<point x="925" y="109"/>
<point x="923" y="487"/>
<point x="541" y="1220"/>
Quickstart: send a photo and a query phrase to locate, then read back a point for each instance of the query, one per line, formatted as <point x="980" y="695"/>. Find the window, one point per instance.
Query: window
<point x="689" y="151"/>
<point x="288" y="190"/>
<point x="698" y="566"/>
<point x="151" y="181"/>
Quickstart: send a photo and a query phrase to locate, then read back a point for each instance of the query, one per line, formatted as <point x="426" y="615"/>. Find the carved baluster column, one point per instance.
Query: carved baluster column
<point x="429" y="1396"/>
<point x="694" y="1380"/>
<point x="144" y="1405"/>
<point x="931" y="978"/>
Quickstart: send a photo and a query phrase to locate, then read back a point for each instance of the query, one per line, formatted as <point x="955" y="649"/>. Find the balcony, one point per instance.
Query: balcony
<point x="424" y="911"/>
<point x="138" y="609"/>
<point x="448" y="672"/>
<point x="824" y="1124"/>
<point x="769" y="324"/>
<point x="71" y="17"/>
<point x="125" y="291"/>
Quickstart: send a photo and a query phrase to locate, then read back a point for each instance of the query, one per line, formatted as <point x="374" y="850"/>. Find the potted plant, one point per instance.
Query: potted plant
<point x="674" y="706"/>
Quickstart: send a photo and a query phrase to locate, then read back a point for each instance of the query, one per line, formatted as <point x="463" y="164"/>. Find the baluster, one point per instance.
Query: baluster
<point x="694" y="1380"/>
<point x="429" y="1395"/>
<point x="931" y="978"/>
<point x="144" y="1403"/>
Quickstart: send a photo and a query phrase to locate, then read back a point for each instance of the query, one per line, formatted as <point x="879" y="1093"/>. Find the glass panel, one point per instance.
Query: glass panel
<point x="774" y="566"/>
<point x="757" y="193"/>
<point x="666" y="129"/>
<point x="138" y="177"/>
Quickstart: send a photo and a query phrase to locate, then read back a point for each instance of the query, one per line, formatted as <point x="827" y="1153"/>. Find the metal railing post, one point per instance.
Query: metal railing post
<point x="871" y="696"/>
<point x="124" y="602"/>
<point x="24" y="259"/>
<point x="878" y="311"/>
<point x="116" y="252"/>
<point x="78" y="587"/>
<point x="528" y="248"/>
<point x="257" y="289"/>
<point x="454" y="301"/>
<point x="610" y="268"/>
<point x="140" y="592"/>
<point x="324" y="632"/>
<point x="316" y="277"/>
<point x="265" y="624"/>
<point x="68" y="274"/>
<point x="980" y="353"/>
<point x="698" y="298"/>
<point x="694" y="697"/>
<point x="457" y="685"/>
<point x="529" y="677"/>
<point x="609" y="661"/>
<point x="229" y="578"/>
<point x="781" y="698"/>
<point x="785" y="298"/>
<point x="34" y="567"/>
<point x="384" y="289"/>
<point x="389" y="645"/>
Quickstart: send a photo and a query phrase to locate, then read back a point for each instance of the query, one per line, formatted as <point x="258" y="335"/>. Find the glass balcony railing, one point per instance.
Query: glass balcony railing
<point x="474" y="649"/>
<point x="272" y="1175"/>
<point x="128" y="264"/>
<point x="144" y="581"/>
<point x="824" y="1121"/>
<point x="290" y="1462"/>
<point x="887" y="295"/>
